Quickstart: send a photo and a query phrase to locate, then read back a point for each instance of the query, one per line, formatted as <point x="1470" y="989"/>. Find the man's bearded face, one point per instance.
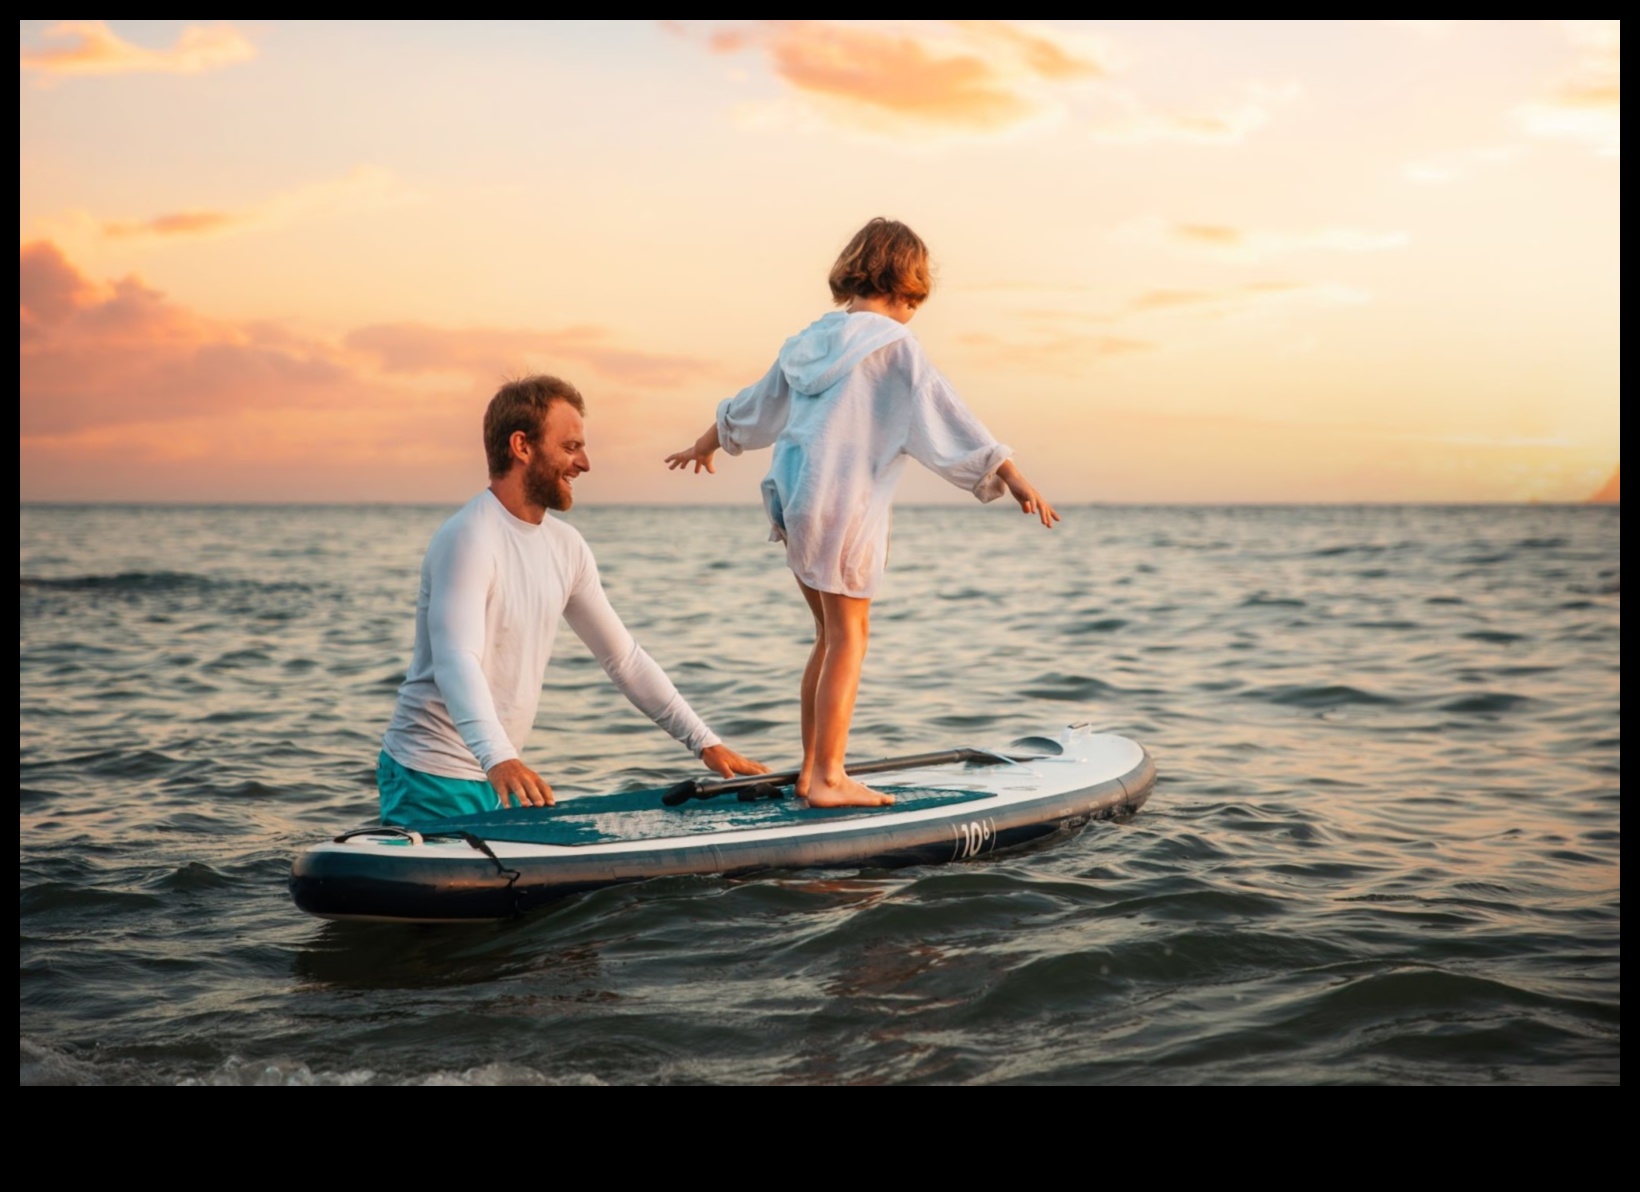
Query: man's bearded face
<point x="559" y="457"/>
<point x="547" y="483"/>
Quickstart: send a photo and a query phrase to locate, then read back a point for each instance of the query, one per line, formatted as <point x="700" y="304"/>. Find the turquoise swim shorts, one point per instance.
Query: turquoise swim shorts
<point x="411" y="797"/>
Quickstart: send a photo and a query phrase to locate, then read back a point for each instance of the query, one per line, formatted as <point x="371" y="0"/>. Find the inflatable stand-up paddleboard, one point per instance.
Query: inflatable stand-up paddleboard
<point x="955" y="805"/>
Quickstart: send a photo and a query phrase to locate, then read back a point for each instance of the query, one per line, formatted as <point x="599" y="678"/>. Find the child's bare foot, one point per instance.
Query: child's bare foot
<point x="845" y="792"/>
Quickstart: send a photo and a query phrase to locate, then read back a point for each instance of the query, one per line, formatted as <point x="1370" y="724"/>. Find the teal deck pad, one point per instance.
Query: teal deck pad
<point x="640" y="815"/>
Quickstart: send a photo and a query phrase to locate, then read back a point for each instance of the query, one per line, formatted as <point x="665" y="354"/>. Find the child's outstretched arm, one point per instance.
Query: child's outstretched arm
<point x="754" y="417"/>
<point x="700" y="454"/>
<point x="1030" y="501"/>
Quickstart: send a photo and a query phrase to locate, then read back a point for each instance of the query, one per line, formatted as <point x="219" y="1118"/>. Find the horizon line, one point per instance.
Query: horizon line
<point x="162" y="503"/>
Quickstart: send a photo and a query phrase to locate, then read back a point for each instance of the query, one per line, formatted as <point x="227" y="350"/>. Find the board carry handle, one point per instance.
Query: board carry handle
<point x="708" y="788"/>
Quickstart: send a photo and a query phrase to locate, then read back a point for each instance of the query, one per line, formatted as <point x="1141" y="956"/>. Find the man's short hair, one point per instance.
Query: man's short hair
<point x="522" y="405"/>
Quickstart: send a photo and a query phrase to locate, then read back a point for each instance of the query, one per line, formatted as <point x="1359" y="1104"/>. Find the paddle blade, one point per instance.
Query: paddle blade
<point x="681" y="793"/>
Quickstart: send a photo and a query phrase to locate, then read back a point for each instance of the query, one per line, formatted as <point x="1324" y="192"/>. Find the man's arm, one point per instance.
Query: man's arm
<point x="459" y="575"/>
<point x="640" y="678"/>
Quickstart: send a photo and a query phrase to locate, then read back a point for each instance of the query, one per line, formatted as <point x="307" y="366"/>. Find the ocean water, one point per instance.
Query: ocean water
<point x="1384" y="846"/>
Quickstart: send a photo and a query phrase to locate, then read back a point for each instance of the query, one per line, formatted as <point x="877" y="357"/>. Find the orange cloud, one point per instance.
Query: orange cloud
<point x="1127" y="119"/>
<point x="966" y="76"/>
<point x="181" y="223"/>
<point x="1611" y="493"/>
<point x="418" y="348"/>
<point x="1253" y="245"/>
<point x="1586" y="102"/>
<point x="92" y="48"/>
<point x="1039" y="52"/>
<point x="973" y="77"/>
<point x="1259" y="294"/>
<point x="1057" y="355"/>
<point x="364" y="188"/>
<point x="898" y="75"/>
<point x="1216" y="235"/>
<point x="1591" y="94"/>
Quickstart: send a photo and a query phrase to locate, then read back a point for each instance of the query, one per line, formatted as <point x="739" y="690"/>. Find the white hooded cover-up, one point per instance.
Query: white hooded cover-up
<point x="848" y="399"/>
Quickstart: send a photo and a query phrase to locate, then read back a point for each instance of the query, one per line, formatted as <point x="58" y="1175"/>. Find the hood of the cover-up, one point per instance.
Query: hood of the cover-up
<point x="822" y="354"/>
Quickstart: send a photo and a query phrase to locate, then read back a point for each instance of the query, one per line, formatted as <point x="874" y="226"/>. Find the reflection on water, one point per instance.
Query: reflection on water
<point x="1385" y="846"/>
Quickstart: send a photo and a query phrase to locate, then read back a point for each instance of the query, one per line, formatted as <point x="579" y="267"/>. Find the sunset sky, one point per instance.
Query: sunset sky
<point x="1177" y="261"/>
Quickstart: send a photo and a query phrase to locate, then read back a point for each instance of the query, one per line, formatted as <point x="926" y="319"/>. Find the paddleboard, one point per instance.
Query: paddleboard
<point x="950" y="806"/>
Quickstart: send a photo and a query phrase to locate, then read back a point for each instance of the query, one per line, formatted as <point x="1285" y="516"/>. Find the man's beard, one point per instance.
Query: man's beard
<point x="547" y="486"/>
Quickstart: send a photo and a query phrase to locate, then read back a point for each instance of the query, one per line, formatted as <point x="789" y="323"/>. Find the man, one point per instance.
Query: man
<point x="496" y="579"/>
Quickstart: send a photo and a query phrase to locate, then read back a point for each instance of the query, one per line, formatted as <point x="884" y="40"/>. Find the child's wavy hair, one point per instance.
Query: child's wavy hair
<point x="885" y="258"/>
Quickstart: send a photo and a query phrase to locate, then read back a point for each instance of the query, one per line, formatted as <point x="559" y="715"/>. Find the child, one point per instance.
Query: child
<point x="850" y="397"/>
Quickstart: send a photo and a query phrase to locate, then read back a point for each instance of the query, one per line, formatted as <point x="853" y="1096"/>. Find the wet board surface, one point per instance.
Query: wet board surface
<point x="640" y="815"/>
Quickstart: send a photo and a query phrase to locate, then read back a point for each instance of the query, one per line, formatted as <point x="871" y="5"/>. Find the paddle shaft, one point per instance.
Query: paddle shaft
<point x="705" y="788"/>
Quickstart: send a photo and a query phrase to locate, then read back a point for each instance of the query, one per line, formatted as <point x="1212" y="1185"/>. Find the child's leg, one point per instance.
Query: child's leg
<point x="811" y="681"/>
<point x="845" y="624"/>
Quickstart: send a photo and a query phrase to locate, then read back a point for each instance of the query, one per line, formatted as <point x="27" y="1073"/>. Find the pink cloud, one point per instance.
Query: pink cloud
<point x="101" y="356"/>
<point x="48" y="290"/>
<point x="126" y="394"/>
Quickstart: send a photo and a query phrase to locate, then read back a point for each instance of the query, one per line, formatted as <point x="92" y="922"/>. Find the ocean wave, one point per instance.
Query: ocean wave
<point x="152" y="583"/>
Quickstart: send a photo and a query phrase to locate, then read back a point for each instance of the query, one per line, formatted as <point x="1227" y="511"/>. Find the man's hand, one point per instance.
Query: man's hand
<point x="727" y="763"/>
<point x="516" y="779"/>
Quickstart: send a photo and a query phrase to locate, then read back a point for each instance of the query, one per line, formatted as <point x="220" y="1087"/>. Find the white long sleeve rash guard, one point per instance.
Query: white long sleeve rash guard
<point x="493" y="589"/>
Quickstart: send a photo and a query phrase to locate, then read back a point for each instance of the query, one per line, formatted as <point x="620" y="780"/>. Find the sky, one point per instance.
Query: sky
<point x="1176" y="261"/>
